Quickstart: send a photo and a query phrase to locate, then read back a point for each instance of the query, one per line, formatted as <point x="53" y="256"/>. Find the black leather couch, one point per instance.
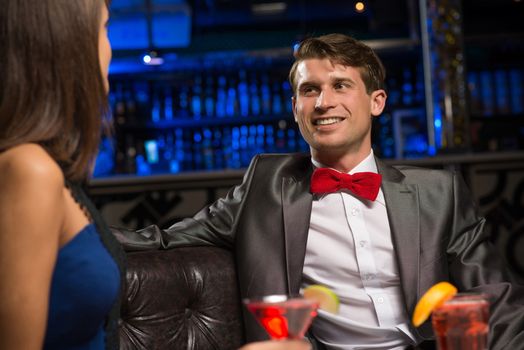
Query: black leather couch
<point x="183" y="298"/>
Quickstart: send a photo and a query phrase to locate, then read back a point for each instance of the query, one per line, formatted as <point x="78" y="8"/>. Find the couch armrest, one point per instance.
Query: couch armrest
<point x="183" y="298"/>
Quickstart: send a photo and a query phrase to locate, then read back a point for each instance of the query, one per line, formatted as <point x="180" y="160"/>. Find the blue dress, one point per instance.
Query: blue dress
<point x="85" y="284"/>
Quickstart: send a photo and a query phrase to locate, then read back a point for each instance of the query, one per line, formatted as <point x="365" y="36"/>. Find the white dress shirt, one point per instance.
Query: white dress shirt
<point x="349" y="250"/>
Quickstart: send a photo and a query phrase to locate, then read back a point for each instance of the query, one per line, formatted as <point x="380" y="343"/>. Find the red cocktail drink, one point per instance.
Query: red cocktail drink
<point x="461" y="323"/>
<point x="282" y="316"/>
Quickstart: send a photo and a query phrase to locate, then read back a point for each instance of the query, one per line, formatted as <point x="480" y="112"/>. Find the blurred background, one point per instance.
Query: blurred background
<point x="200" y="86"/>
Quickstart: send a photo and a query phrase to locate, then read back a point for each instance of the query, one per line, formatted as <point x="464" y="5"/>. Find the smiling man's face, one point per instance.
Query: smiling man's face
<point x="332" y="108"/>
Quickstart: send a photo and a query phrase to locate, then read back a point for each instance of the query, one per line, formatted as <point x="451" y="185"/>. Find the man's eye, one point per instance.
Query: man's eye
<point x="308" y="90"/>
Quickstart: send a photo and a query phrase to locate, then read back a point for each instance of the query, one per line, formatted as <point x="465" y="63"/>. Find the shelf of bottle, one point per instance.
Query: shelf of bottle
<point x="205" y="121"/>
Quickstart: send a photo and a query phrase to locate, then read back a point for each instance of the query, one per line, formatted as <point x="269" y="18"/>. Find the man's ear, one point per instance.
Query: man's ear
<point x="378" y="102"/>
<point x="294" y="105"/>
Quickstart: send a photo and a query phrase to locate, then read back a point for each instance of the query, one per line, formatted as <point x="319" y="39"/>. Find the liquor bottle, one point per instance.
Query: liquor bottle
<point x="218" y="149"/>
<point x="156" y="108"/>
<point x="182" y="151"/>
<point x="129" y="154"/>
<point x="486" y="93"/>
<point x="162" y="164"/>
<point x="386" y="141"/>
<point x="142" y="166"/>
<point x="270" y="138"/>
<point x="177" y="157"/>
<point x="119" y="109"/>
<point x="183" y="102"/>
<point x="501" y="92"/>
<point x="221" y="97"/>
<point x="244" y="146"/>
<point x="226" y="142"/>
<point x="287" y="95"/>
<point x="276" y="104"/>
<point x="231" y="99"/>
<point x="407" y="88"/>
<point x="197" y="148"/>
<point x="168" y="153"/>
<point x="207" y="149"/>
<point x="196" y="98"/>
<point x="168" y="103"/>
<point x="265" y="93"/>
<point x="151" y="150"/>
<point x="475" y="103"/>
<point x="254" y="96"/>
<point x="142" y="95"/>
<point x="234" y="161"/>
<point x="281" y="140"/>
<point x="209" y="98"/>
<point x="260" y="139"/>
<point x="302" y="144"/>
<point x="516" y="81"/>
<point x="291" y="140"/>
<point x="105" y="159"/>
<point x="243" y="94"/>
<point x="130" y="103"/>
<point x="251" y="143"/>
<point x="394" y="93"/>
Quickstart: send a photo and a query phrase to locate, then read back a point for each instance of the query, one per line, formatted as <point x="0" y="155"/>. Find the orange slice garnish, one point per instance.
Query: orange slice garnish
<point x="433" y="298"/>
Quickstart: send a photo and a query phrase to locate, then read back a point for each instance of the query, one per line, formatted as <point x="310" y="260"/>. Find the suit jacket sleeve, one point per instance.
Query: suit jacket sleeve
<point x="213" y="225"/>
<point x="476" y="266"/>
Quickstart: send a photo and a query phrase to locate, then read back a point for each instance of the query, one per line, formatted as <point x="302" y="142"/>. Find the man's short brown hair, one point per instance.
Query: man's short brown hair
<point x="342" y="49"/>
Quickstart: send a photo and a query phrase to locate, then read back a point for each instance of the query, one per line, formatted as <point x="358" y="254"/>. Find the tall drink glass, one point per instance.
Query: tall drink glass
<point x="283" y="316"/>
<point x="461" y="323"/>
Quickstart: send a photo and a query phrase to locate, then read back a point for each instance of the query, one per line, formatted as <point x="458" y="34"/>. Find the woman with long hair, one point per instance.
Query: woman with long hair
<point x="60" y="267"/>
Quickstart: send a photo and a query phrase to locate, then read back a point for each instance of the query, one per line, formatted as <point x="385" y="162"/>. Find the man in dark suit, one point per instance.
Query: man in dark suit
<point x="378" y="244"/>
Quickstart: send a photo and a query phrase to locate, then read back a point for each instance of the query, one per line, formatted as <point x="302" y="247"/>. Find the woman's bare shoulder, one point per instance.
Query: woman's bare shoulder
<point x="30" y="164"/>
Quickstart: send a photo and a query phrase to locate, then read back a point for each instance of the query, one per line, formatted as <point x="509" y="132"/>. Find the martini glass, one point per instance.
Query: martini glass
<point x="283" y="316"/>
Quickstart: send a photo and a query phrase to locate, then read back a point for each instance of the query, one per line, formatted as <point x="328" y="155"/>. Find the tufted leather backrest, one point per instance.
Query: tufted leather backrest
<point x="183" y="298"/>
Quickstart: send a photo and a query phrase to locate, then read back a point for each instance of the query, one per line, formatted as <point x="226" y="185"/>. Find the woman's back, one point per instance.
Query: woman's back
<point x="53" y="266"/>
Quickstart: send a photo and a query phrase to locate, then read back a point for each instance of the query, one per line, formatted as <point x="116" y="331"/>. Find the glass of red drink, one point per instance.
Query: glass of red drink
<point x="283" y="316"/>
<point x="461" y="323"/>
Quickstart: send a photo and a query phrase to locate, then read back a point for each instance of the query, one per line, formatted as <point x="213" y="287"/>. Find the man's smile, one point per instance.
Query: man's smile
<point x="327" y="121"/>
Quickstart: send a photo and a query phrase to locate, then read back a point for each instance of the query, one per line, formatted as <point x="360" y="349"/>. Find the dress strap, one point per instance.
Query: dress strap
<point x="76" y="196"/>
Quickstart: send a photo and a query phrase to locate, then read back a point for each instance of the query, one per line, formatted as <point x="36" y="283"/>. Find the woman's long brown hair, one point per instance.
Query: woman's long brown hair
<point x="51" y="87"/>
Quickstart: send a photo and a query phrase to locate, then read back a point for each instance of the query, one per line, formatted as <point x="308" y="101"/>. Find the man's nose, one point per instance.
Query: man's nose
<point x="325" y="100"/>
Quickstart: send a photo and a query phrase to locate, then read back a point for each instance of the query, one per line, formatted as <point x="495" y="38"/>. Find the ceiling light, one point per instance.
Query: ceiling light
<point x="360" y="7"/>
<point x="152" y="58"/>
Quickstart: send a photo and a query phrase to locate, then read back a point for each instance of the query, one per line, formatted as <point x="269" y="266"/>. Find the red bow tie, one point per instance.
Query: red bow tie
<point x="365" y="184"/>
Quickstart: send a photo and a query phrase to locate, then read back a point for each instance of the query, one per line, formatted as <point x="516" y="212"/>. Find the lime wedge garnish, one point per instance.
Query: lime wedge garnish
<point x="326" y="298"/>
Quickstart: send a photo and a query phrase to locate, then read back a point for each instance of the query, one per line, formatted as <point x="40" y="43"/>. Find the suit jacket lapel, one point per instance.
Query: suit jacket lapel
<point x="296" y="206"/>
<point x="403" y="213"/>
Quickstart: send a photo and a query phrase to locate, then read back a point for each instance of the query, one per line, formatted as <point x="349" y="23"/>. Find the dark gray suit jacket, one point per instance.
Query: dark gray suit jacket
<point x="436" y="231"/>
